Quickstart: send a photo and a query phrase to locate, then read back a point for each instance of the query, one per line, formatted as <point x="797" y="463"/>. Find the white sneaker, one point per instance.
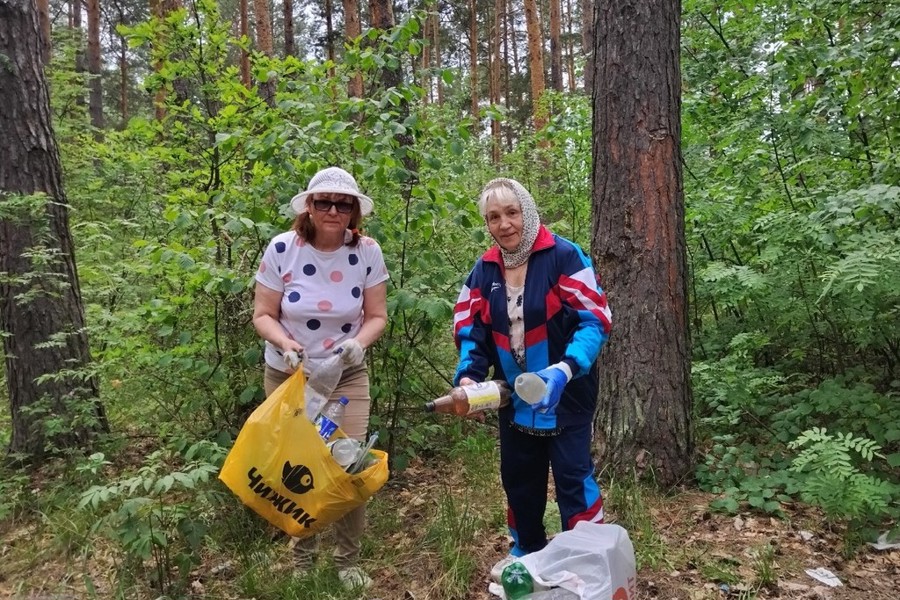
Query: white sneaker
<point x="497" y="569"/>
<point x="354" y="578"/>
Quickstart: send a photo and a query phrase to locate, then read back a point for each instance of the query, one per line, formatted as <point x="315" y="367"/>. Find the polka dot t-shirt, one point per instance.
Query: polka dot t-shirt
<point x="322" y="292"/>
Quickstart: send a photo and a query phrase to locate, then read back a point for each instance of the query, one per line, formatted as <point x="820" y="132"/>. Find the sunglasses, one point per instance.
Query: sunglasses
<point x="325" y="205"/>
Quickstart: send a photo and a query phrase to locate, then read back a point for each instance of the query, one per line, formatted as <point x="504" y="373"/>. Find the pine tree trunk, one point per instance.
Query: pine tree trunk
<point x="245" y="33"/>
<point x="587" y="43"/>
<point x="535" y="62"/>
<point x="288" y="27"/>
<point x="39" y="302"/>
<point x="496" y="140"/>
<point x="556" y="81"/>
<point x="123" y="73"/>
<point x="265" y="45"/>
<point x="427" y="83"/>
<point x="570" y="48"/>
<point x="43" y="7"/>
<point x="95" y="102"/>
<point x="329" y="36"/>
<point x="473" y="56"/>
<point x="436" y="38"/>
<point x="352" y="30"/>
<point x="639" y="240"/>
<point x="263" y="27"/>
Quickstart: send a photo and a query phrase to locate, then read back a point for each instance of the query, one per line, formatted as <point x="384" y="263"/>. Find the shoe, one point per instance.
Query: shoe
<point x="497" y="569"/>
<point x="354" y="578"/>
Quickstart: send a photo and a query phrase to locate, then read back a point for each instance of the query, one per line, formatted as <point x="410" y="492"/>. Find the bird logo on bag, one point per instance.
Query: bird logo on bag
<point x="297" y="478"/>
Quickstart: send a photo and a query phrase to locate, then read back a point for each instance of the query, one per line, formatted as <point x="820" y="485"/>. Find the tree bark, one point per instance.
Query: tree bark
<point x="535" y="62"/>
<point x="496" y="140"/>
<point x="263" y="27"/>
<point x="436" y="37"/>
<point x="41" y="311"/>
<point x="639" y="242"/>
<point x="587" y="43"/>
<point x="556" y="80"/>
<point x="123" y="72"/>
<point x="95" y="101"/>
<point x="570" y="48"/>
<point x="473" y="55"/>
<point x="43" y="7"/>
<point x="288" y="27"/>
<point x="245" y="33"/>
<point x="329" y="36"/>
<point x="352" y="30"/>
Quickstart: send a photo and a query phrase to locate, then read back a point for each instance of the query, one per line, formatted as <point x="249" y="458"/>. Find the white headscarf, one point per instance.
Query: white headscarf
<point x="531" y="222"/>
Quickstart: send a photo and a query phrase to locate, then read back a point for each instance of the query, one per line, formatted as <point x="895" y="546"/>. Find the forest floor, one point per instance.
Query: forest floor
<point x="687" y="553"/>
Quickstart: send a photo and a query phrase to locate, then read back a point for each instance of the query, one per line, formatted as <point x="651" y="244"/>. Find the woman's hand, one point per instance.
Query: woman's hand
<point x="351" y="352"/>
<point x="292" y="354"/>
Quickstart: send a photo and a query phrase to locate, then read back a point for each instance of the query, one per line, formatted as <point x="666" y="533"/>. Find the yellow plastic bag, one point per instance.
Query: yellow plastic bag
<point x="281" y="468"/>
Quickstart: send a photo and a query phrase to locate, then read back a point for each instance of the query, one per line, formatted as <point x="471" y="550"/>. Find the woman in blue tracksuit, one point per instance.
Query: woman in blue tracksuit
<point x="533" y="303"/>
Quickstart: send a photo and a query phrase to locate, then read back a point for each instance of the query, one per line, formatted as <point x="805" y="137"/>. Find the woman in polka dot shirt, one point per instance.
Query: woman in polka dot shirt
<point x="321" y="288"/>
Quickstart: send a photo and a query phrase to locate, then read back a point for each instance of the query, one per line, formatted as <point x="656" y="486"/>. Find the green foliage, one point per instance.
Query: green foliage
<point x="833" y="479"/>
<point x="155" y="515"/>
<point x="452" y="533"/>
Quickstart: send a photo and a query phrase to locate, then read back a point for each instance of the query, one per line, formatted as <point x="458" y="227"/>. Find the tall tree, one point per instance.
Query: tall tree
<point x="288" y="27"/>
<point x="638" y="238"/>
<point x="496" y="140"/>
<point x="41" y="312"/>
<point x="535" y="61"/>
<point x="245" y="33"/>
<point x="95" y="102"/>
<point x="352" y="30"/>
<point x="587" y="43"/>
<point x="263" y="27"/>
<point x="473" y="55"/>
<point x="556" y="80"/>
<point x="43" y="7"/>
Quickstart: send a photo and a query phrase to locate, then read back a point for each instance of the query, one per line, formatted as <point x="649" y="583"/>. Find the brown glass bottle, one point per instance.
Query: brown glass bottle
<point x="467" y="399"/>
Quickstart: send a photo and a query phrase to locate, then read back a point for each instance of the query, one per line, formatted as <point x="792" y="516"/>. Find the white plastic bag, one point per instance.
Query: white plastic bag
<point x="594" y="561"/>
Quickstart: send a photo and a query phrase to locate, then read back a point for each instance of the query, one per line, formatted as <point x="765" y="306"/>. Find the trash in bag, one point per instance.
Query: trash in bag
<point x="281" y="468"/>
<point x="589" y="562"/>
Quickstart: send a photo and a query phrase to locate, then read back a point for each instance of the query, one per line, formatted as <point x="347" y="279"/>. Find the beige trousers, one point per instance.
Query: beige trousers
<point x="348" y="530"/>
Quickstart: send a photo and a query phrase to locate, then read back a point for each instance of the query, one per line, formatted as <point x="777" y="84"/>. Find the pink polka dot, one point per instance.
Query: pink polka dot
<point x="287" y="277"/>
<point x="324" y="305"/>
<point x="336" y="276"/>
<point x="368" y="241"/>
<point x="262" y="267"/>
<point x="328" y="344"/>
<point x="300" y="242"/>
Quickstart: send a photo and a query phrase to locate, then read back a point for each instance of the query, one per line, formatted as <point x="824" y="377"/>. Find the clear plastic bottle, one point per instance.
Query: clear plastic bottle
<point x="531" y="388"/>
<point x="552" y="594"/>
<point x="345" y="451"/>
<point x="466" y="399"/>
<point x="321" y="383"/>
<point x="329" y="419"/>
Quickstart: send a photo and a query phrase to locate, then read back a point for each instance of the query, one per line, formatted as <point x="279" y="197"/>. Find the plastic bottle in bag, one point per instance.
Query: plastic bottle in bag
<point x="331" y="416"/>
<point x="516" y="581"/>
<point x="321" y="383"/>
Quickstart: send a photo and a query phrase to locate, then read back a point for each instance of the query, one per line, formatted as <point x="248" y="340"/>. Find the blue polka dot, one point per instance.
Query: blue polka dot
<point x="368" y="270"/>
<point x="293" y="296"/>
<point x="309" y="270"/>
<point x="356" y="292"/>
<point x="279" y="247"/>
<point x="279" y="268"/>
<point x="313" y="324"/>
<point x="354" y="259"/>
<point x="346" y="327"/>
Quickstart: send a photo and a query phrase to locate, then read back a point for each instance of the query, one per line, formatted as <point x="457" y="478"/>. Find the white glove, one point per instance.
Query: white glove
<point x="293" y="359"/>
<point x="352" y="352"/>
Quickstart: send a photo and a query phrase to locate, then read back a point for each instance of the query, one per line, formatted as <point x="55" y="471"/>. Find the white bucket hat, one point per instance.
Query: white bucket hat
<point x="332" y="180"/>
